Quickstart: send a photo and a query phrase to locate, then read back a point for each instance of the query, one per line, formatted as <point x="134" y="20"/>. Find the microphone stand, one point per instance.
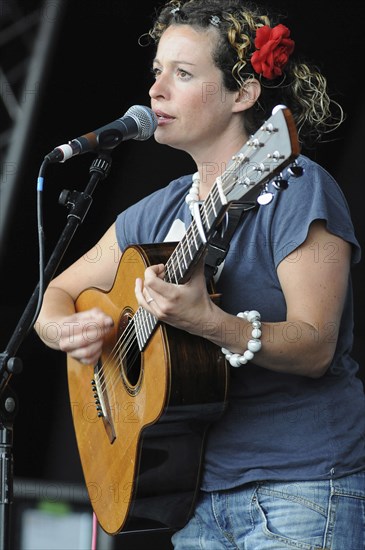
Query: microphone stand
<point x="78" y="204"/>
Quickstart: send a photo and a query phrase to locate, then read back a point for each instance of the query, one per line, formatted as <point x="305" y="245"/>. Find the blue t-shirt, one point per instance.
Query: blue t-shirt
<point x="277" y="426"/>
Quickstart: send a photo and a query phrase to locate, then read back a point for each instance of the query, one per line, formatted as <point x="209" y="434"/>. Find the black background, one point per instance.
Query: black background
<point x="98" y="71"/>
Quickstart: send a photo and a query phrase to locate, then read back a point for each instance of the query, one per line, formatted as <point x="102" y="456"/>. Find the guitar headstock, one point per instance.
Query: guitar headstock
<point x="267" y="153"/>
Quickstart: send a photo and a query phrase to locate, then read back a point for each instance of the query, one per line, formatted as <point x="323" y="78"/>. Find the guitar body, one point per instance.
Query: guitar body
<point x="141" y="451"/>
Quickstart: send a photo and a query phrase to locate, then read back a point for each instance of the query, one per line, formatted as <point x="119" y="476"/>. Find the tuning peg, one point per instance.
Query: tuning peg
<point x="295" y="170"/>
<point x="280" y="183"/>
<point x="265" y="197"/>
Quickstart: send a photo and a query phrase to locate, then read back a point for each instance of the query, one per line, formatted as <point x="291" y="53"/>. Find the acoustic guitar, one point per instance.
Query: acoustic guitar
<point x="142" y="411"/>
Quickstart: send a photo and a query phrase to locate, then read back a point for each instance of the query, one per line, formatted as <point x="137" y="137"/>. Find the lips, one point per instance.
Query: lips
<point x="163" y="117"/>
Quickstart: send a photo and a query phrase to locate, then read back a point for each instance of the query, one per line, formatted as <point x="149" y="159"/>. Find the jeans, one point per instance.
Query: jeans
<point x="307" y="515"/>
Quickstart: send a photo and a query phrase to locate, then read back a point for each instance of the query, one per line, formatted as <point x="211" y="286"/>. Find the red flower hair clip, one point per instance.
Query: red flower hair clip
<point x="273" y="50"/>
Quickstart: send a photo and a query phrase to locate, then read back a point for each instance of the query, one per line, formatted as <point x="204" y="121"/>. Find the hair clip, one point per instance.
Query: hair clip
<point x="214" y="20"/>
<point x="174" y="11"/>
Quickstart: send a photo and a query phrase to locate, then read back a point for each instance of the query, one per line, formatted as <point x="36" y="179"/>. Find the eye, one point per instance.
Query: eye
<point x="155" y="71"/>
<point x="183" y="74"/>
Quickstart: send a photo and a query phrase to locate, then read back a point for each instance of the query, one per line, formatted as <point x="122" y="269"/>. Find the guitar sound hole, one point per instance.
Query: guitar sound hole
<point x="129" y="354"/>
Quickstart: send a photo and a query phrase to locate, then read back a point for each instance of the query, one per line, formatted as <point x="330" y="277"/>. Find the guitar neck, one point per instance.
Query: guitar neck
<point x="186" y="254"/>
<point x="207" y="216"/>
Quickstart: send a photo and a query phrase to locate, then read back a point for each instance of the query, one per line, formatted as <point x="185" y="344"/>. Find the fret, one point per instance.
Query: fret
<point x="143" y="327"/>
<point x="186" y="265"/>
<point x="146" y="319"/>
<point x="168" y="277"/>
<point x="183" y="263"/>
<point x="219" y="185"/>
<point x="175" y="264"/>
<point x="144" y="336"/>
<point x="136" y="319"/>
<point x="191" y="238"/>
<point x="211" y="216"/>
<point x="189" y="248"/>
<point x="144" y="323"/>
<point x="179" y="261"/>
<point x="151" y="322"/>
<point x="194" y="236"/>
<point x="175" y="279"/>
<point x="214" y="209"/>
<point x="197" y="215"/>
<point x="204" y="209"/>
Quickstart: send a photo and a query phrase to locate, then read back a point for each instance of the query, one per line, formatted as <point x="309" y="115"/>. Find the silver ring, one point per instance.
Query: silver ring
<point x="149" y="300"/>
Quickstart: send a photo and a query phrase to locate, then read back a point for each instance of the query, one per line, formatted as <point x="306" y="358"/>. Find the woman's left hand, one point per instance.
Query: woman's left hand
<point x="187" y="306"/>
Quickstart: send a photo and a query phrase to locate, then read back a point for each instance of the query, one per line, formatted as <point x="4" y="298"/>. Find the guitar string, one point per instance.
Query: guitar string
<point x="132" y="332"/>
<point x="125" y="341"/>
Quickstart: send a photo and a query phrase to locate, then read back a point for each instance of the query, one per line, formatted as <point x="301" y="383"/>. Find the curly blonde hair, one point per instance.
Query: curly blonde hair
<point x="301" y="87"/>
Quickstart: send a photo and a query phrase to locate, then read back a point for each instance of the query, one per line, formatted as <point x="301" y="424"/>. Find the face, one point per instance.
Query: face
<point x="195" y="112"/>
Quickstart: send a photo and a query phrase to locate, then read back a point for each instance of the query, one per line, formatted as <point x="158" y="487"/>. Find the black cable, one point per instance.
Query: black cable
<point x="41" y="285"/>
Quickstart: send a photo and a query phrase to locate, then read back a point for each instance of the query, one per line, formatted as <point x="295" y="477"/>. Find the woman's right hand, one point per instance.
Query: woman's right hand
<point x="82" y="334"/>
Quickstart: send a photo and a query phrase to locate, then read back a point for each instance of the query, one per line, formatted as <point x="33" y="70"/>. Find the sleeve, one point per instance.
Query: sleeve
<point x="149" y="219"/>
<point x="131" y="224"/>
<point x="313" y="196"/>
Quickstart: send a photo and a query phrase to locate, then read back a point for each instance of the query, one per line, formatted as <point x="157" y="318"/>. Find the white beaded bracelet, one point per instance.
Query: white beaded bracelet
<point x="253" y="345"/>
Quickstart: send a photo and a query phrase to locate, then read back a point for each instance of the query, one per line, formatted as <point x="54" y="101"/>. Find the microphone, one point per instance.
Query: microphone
<point x="138" y="123"/>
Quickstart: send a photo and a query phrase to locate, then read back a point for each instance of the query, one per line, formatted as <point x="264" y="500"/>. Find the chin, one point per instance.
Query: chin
<point x="164" y="140"/>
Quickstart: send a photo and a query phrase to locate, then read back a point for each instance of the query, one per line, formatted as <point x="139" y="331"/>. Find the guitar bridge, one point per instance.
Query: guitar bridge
<point x="101" y="401"/>
<point x="97" y="393"/>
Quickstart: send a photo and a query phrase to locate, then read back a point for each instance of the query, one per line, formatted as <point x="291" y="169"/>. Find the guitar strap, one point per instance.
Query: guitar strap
<point x="218" y="245"/>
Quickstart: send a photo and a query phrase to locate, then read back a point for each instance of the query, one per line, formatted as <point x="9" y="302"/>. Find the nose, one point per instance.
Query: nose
<point x="159" y="88"/>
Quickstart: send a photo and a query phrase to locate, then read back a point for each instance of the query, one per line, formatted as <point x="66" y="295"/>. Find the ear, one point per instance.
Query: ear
<point x="247" y="96"/>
